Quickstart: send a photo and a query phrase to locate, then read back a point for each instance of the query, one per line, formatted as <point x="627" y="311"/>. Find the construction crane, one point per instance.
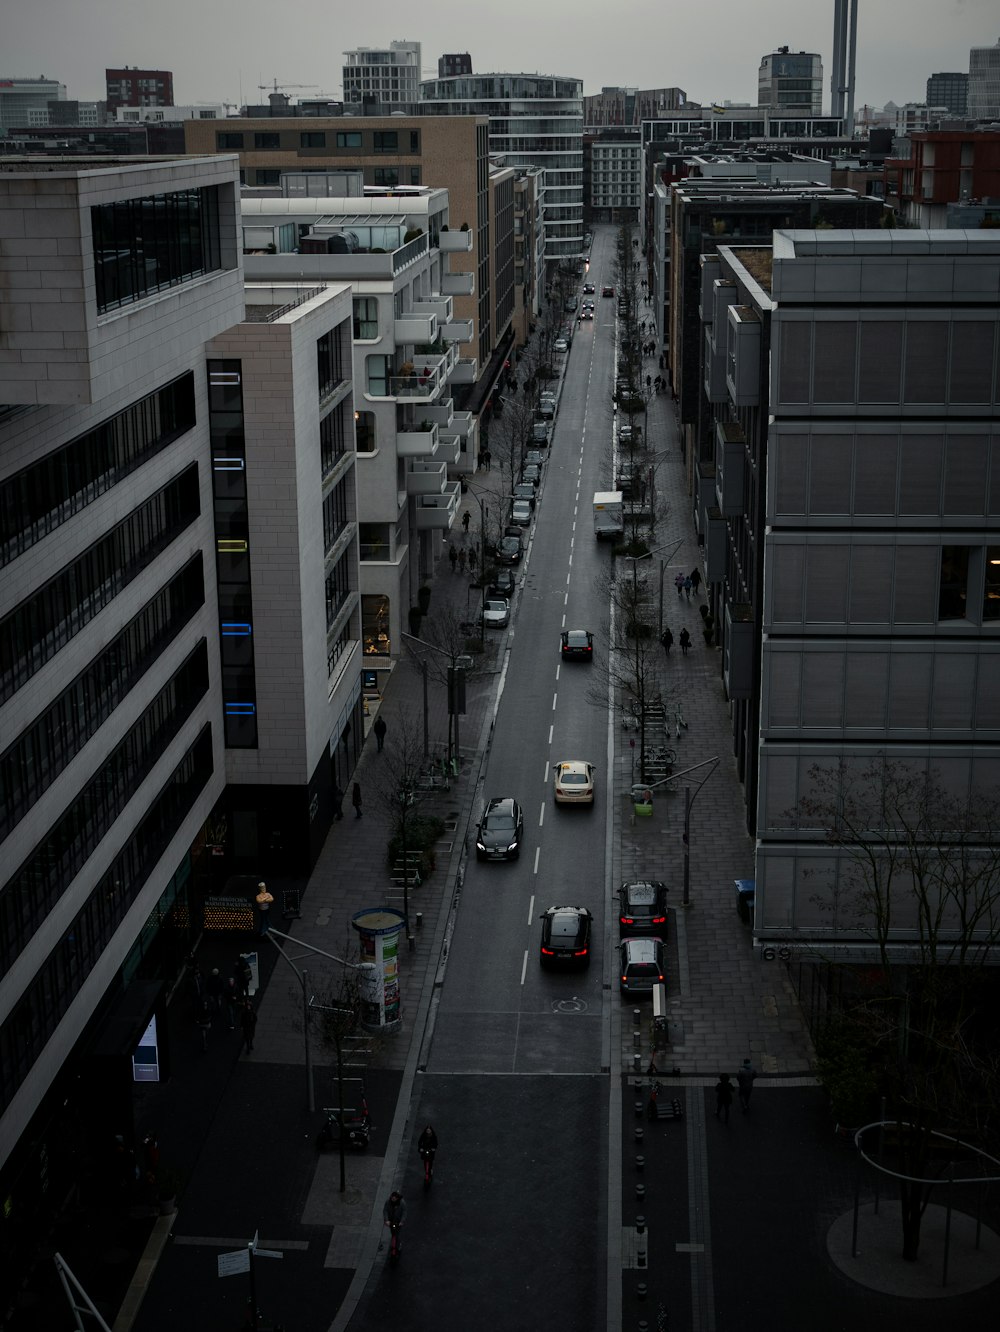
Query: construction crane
<point x="283" y="87"/>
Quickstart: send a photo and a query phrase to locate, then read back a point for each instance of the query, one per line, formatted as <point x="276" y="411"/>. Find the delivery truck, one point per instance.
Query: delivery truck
<point x="609" y="520"/>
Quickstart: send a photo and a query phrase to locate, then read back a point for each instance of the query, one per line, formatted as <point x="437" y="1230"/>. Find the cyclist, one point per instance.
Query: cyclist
<point x="394" y="1214"/>
<point x="427" y="1144"/>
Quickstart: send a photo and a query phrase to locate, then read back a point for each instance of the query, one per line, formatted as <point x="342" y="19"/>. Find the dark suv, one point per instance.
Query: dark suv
<point x="565" y="936"/>
<point x="642" y="908"/>
<point x="501" y="830"/>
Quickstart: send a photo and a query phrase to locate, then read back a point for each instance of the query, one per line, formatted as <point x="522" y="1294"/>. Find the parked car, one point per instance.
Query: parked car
<point x="607" y="291"/>
<point x="520" y="513"/>
<point x="535" y="456"/>
<point x="509" y="550"/>
<point x="531" y="472"/>
<point x="566" y="936"/>
<point x="642" y="908"/>
<point x="500" y="830"/>
<point x="496" y="613"/>
<point x="560" y="345"/>
<point x="547" y="395"/>
<point x="546" y="409"/>
<point x="640" y="966"/>
<point x="571" y="304"/>
<point x="524" y="490"/>
<point x="502" y="584"/>
<point x="577" y="645"/>
<point x="540" y="433"/>
<point x="573" y="782"/>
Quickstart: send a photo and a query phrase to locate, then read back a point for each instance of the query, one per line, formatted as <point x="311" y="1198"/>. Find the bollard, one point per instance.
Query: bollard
<point x="638" y="1109"/>
<point x="642" y="1241"/>
<point x="637" y="1135"/>
<point x="636" y="1017"/>
<point x="640" y="1163"/>
<point x="419" y="918"/>
<point x="640" y="1192"/>
<point x="641" y="1290"/>
<point x="637" y="1063"/>
<point x="637" y="1040"/>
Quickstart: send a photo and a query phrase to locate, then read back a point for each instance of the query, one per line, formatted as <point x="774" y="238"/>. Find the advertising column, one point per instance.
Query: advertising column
<point x="378" y="930"/>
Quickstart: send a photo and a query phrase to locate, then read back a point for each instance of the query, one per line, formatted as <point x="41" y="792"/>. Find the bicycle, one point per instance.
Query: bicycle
<point x="427" y="1156"/>
<point x="394" y="1245"/>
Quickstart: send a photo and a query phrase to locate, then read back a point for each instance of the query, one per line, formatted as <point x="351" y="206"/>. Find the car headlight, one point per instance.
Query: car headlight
<point x="480" y="846"/>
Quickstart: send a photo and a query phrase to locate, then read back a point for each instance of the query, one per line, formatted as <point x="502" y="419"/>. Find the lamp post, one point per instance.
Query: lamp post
<point x="689" y="800"/>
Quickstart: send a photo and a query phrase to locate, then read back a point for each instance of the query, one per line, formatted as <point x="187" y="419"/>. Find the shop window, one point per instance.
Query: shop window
<point x="375" y="625"/>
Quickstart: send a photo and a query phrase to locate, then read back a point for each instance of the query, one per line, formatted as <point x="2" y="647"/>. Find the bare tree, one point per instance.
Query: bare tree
<point x="918" y="874"/>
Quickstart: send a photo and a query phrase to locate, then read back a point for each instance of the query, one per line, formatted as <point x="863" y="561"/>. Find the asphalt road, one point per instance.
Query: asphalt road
<point x="517" y="1082"/>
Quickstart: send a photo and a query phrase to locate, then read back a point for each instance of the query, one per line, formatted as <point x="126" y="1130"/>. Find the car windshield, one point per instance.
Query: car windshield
<point x="577" y="638"/>
<point x="573" y="778"/>
<point x="643" y="969"/>
<point x="496" y="605"/>
<point x="499" y="823"/>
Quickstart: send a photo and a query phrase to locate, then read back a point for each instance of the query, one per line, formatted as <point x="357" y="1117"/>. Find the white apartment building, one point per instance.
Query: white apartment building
<point x="616" y="178"/>
<point x="25" y="102"/>
<point x="413" y="446"/>
<point x="383" y="75"/>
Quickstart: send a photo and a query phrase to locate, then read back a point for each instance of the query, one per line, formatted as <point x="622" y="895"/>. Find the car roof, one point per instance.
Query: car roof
<point x="643" y="891"/>
<point x="574" y="765"/>
<point x="574" y="634"/>
<point x="500" y="803"/>
<point x="641" y="950"/>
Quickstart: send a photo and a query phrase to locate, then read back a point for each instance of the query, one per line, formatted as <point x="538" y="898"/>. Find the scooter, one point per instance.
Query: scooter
<point x="353" y="1125"/>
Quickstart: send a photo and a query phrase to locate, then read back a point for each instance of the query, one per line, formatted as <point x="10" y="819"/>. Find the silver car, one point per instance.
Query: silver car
<point x="520" y="512"/>
<point x="496" y="613"/>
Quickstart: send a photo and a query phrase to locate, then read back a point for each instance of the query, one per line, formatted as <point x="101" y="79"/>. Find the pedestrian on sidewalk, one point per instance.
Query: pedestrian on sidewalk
<point x="685" y="640"/>
<point x="679" y="584"/>
<point x="461" y="560"/>
<point x="338" y="801"/>
<point x="452" y="555"/>
<point x="696" y="579"/>
<point x="248" y="1025"/>
<point x="466" y="519"/>
<point x="687" y="587"/>
<point x="380" y="728"/>
<point x="204" y="1019"/>
<point x="231" y="999"/>
<point x="472" y="560"/>
<point x="745" y="1077"/>
<point x="244" y="975"/>
<point x="487" y="458"/>
<point x="667" y="639"/>
<point x="356" y="799"/>
<point x="723" y="1097"/>
<point x="215" y="988"/>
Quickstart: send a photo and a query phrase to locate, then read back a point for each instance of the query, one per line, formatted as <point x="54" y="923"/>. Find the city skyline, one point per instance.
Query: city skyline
<point x="224" y="53"/>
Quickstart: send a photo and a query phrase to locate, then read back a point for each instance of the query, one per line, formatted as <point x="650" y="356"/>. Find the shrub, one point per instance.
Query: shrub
<point x="845" y="1065"/>
<point x="422" y="831"/>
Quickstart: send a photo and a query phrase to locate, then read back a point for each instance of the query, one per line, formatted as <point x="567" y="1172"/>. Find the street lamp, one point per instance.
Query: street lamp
<point x="689" y="800"/>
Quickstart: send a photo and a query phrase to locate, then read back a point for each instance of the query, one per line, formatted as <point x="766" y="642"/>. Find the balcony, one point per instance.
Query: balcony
<point x="427" y="382"/>
<point x="426" y="478"/>
<point x="439" y="413"/>
<point x="458" y="284"/>
<point x="422" y="443"/>
<point x="714" y="369"/>
<point x="739" y="649"/>
<point x="457" y="330"/>
<point x="438" y="511"/>
<point x="715" y="546"/>
<point x="710" y="268"/>
<point x="730" y="461"/>
<point x="450" y="448"/>
<point x="455" y="242"/>
<point x="436" y="305"/>
<point x="466" y="370"/>
<point x="415" y="327"/>
<point x="743" y="356"/>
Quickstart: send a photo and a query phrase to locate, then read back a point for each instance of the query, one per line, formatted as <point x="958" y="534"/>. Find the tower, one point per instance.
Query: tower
<point x="845" y="46"/>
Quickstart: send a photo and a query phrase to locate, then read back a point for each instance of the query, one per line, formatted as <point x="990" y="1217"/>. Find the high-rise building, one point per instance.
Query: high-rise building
<point x="138" y="87"/>
<point x="453" y="63"/>
<point x="536" y="120"/>
<point x="984" y="83"/>
<point x="25" y="102"/>
<point x="949" y="89"/>
<point x="852" y="552"/>
<point x="629" y="107"/>
<point x="791" y="81"/>
<point x="383" y="76"/>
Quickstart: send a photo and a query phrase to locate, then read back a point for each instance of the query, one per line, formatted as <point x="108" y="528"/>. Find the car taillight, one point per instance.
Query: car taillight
<point x="548" y="952"/>
<point x="580" y="952"/>
<point x="658" y="920"/>
<point x="625" y="920"/>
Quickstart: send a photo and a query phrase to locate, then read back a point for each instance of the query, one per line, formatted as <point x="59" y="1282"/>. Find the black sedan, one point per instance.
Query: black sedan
<point x="501" y="830"/>
<point x="509" y="550"/>
<point x="642" y="908"/>
<point x="502" y="584"/>
<point x="566" y="937"/>
<point x="577" y="645"/>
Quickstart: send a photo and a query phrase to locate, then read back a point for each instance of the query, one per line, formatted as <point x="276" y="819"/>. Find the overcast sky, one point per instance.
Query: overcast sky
<point x="221" y="50"/>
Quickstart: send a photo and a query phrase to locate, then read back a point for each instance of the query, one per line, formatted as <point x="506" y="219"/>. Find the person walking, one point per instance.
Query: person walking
<point x="244" y="976"/>
<point x="248" y="1025"/>
<point x="685" y="640"/>
<point x="472" y="560"/>
<point x="723" y="1097"/>
<point x="745" y="1078"/>
<point x="231" y="999"/>
<point x="466" y="519"/>
<point x="356" y="799"/>
<point x="204" y="1019"/>
<point x="461" y="560"/>
<point x="338" y="801"/>
<point x="687" y="586"/>
<point x="452" y="555"/>
<point x="679" y="584"/>
<point x="667" y="639"/>
<point x="215" y="988"/>
<point x="696" y="579"/>
<point x="487" y="459"/>
<point x="379" y="727"/>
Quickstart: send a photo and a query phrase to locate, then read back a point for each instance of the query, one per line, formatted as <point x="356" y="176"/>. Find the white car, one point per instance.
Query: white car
<point x="560" y="345"/>
<point x="574" y="783"/>
<point x="496" y="613"/>
<point x="520" y="512"/>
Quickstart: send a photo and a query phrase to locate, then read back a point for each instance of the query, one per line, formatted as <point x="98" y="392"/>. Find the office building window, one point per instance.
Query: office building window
<point x="142" y="246"/>
<point x="338" y="590"/>
<point x="312" y="139"/>
<point x="30" y="765"/>
<point x="385" y="141"/>
<point x="332" y="439"/>
<point x="268" y="175"/>
<point x="954" y="588"/>
<point x="377" y="376"/>
<point x="267" y="141"/>
<point x="59" y="979"/>
<point x="35" y="630"/>
<point x="414" y="175"/>
<point x="335" y="514"/>
<point x="36" y="500"/>
<point x="365" y="318"/>
<point x="350" y="139"/>
<point x="364" y="432"/>
<point x="228" y="142"/>
<point x="329" y="363"/>
<point x="386" y="176"/>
